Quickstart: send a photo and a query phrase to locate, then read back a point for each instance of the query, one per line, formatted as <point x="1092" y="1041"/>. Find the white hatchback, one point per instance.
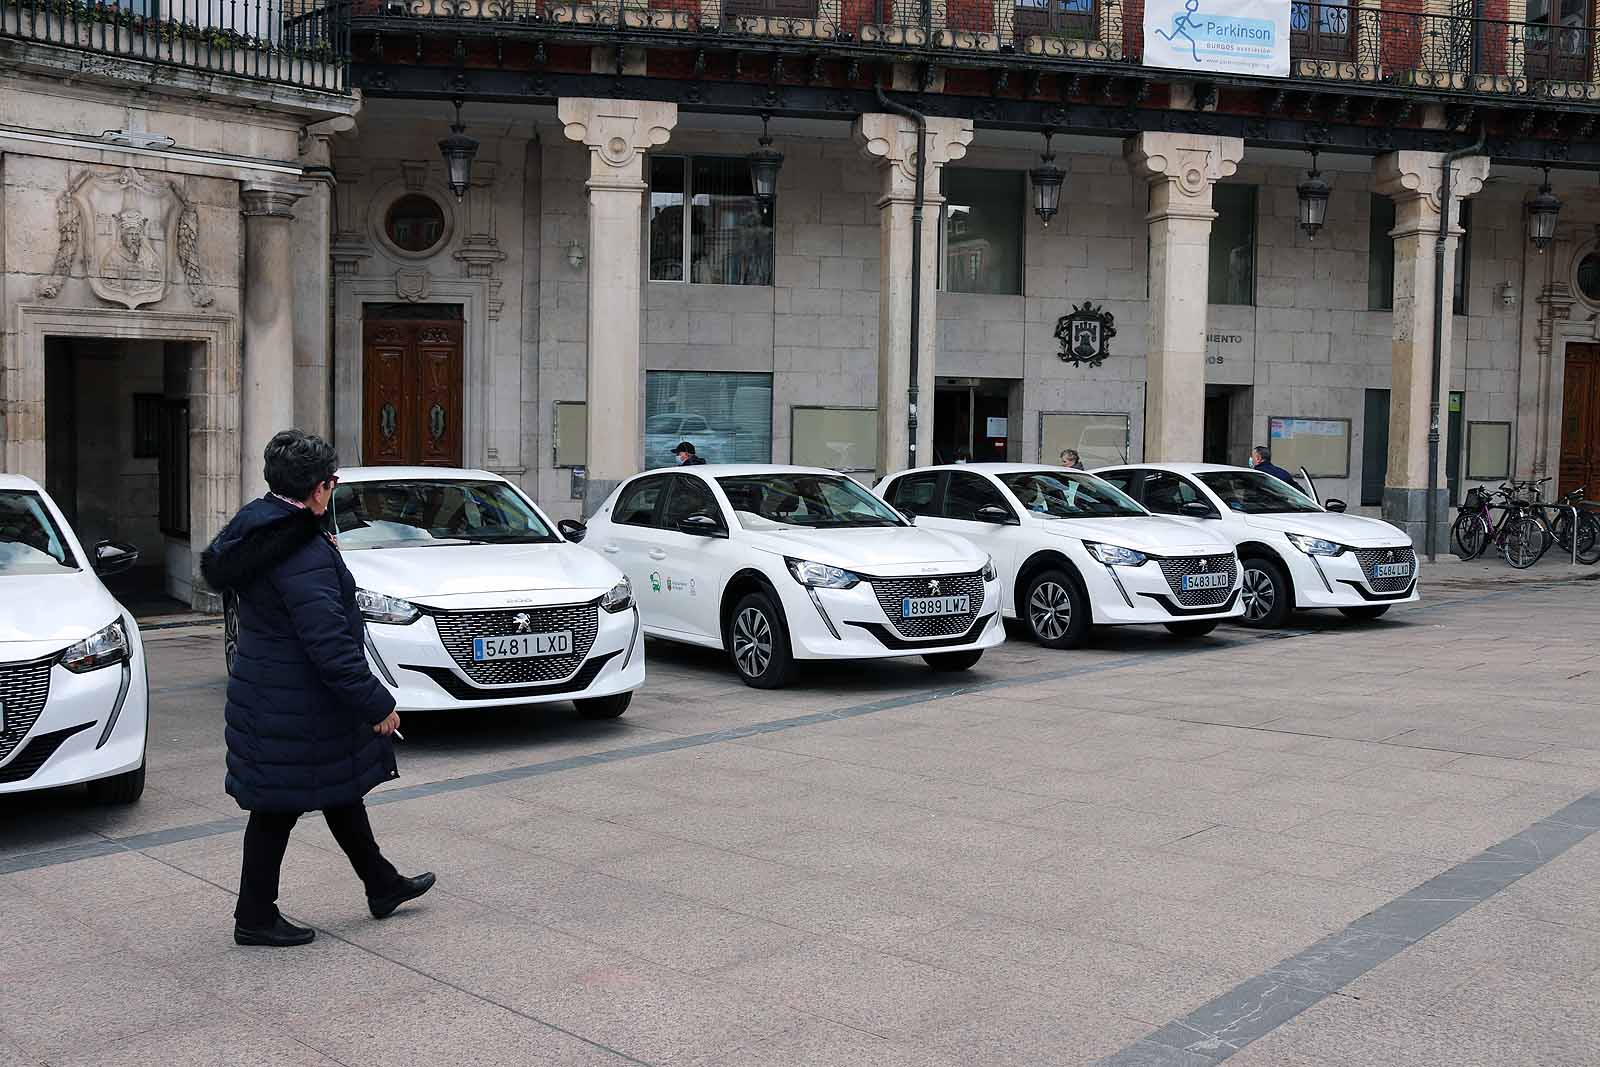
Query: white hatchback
<point x="472" y="597"/>
<point x="1296" y="552"/>
<point x="1074" y="551"/>
<point x="778" y="564"/>
<point x="74" y="695"/>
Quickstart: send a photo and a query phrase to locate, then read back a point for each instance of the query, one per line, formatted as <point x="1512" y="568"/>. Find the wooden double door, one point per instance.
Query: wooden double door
<point x="411" y="392"/>
<point x="1580" y="420"/>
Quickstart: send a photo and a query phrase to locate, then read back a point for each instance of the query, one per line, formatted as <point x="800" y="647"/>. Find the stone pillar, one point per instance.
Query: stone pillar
<point x="893" y="139"/>
<point x="311" y="235"/>
<point x="1412" y="180"/>
<point x="618" y="133"/>
<point x="266" y="386"/>
<point x="1181" y="168"/>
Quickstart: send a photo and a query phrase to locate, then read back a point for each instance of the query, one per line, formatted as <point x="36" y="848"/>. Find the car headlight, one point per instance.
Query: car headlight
<point x="619" y="597"/>
<point x="100" y="649"/>
<point x="1115" y="555"/>
<point x="1315" y="546"/>
<point x="821" y="575"/>
<point x="989" y="573"/>
<point x="378" y="607"/>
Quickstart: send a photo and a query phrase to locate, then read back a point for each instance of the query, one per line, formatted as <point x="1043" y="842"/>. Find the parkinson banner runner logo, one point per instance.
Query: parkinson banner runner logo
<point x="1245" y="37"/>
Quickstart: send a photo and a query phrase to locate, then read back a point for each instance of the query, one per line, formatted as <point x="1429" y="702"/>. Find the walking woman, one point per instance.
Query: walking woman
<point x="308" y="726"/>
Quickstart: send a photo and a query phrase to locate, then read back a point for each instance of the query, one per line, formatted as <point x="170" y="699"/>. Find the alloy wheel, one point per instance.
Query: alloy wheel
<point x="1259" y="595"/>
<point x="1050" y="610"/>
<point x="752" y="642"/>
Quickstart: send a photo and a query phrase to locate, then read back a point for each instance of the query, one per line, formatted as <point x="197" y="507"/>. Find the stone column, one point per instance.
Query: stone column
<point x="266" y="386"/>
<point x="1412" y="180"/>
<point x="893" y="140"/>
<point x="618" y="133"/>
<point x="311" y="235"/>
<point x="1181" y="168"/>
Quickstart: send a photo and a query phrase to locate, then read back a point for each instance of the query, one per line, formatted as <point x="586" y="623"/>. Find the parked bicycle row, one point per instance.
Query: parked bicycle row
<point x="1521" y="527"/>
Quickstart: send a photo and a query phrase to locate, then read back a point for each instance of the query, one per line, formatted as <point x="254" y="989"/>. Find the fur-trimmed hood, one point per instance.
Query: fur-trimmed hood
<point x="266" y="532"/>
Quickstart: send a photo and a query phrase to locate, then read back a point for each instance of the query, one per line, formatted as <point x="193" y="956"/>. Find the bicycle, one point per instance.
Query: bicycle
<point x="1520" y="533"/>
<point x="1572" y="512"/>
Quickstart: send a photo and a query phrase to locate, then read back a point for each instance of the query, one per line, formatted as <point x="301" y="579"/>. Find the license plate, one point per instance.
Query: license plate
<point x="920" y="607"/>
<point x="1392" y="570"/>
<point x="522" y="646"/>
<point x="1214" y="580"/>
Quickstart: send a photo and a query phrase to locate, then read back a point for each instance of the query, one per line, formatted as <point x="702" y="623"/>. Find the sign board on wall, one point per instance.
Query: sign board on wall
<point x="1231" y="346"/>
<point x="1248" y="37"/>
<point x="995" y="427"/>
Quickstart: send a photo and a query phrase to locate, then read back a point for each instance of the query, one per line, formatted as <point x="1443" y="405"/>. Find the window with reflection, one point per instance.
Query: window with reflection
<point x="1321" y="30"/>
<point x="1560" y="40"/>
<point x="1232" y="275"/>
<point x="706" y="225"/>
<point x="983" y="215"/>
<point x="1078" y="19"/>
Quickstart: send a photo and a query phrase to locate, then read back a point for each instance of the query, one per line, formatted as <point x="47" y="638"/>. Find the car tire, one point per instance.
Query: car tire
<point x="1268" y="596"/>
<point x="1366" y="613"/>
<point x="1191" y="629"/>
<point x="1055" y="610"/>
<point x="609" y="707"/>
<point x="758" y="642"/>
<point x="122" y="788"/>
<point x="951" y="662"/>
<point x="230" y="629"/>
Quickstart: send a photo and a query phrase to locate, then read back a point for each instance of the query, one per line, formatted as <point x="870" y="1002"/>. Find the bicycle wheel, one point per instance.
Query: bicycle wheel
<point x="1524" y="541"/>
<point x="1470" y="535"/>
<point x="1588" y="537"/>
<point x="1561" y="529"/>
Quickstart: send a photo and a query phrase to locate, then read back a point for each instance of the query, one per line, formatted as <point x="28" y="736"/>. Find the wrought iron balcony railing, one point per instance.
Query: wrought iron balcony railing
<point x="296" y="42"/>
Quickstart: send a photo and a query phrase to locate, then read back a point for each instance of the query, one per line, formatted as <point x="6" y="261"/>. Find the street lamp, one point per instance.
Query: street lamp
<point x="1313" y="200"/>
<point x="1047" y="179"/>
<point x="458" y="150"/>
<point x="764" y="166"/>
<point x="1543" y="210"/>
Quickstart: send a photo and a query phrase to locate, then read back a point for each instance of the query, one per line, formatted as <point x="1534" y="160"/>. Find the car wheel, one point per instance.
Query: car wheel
<point x="1268" y="596"/>
<point x="604" y="707"/>
<point x="1191" y="629"/>
<point x="1055" y="610"/>
<point x="230" y="629"/>
<point x="953" y="661"/>
<point x="119" y="788"/>
<point x="1364" y="613"/>
<point x="759" y="642"/>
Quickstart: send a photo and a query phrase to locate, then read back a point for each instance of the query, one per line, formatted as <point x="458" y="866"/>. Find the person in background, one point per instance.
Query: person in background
<point x="308" y="726"/>
<point x="1071" y="460"/>
<point x="684" y="450"/>
<point x="1261" y="460"/>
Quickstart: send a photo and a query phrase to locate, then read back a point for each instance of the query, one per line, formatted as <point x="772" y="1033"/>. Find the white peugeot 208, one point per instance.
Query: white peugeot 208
<point x="775" y="564"/>
<point x="74" y="697"/>
<point x="472" y="598"/>
<point x="1074" y="551"/>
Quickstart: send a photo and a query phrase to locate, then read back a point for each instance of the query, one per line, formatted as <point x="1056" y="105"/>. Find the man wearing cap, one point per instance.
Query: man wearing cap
<point x="684" y="450"/>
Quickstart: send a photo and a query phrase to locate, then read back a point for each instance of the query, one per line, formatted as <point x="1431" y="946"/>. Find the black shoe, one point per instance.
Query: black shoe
<point x="281" y="934"/>
<point x="405" y="889"/>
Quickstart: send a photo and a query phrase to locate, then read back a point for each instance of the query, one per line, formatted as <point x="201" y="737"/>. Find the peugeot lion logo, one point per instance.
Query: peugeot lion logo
<point x="933" y="587"/>
<point x="523" y="622"/>
<point x="1205" y="564"/>
<point x="1389" y="555"/>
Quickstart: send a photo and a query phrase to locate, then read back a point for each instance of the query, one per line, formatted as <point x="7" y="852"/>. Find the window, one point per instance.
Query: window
<point x="415" y="223"/>
<point x="172" y="467"/>
<point x="983" y="215"/>
<point x="914" y="494"/>
<point x="690" y="496"/>
<point x="1380" y="255"/>
<point x="1463" y="260"/>
<point x="1559" y="43"/>
<point x="1058" y="18"/>
<point x="1166" y="493"/>
<point x="726" y="416"/>
<point x="1321" y="446"/>
<point x="146" y="436"/>
<point x="30" y="540"/>
<point x="1059" y="495"/>
<point x="1231" y="277"/>
<point x="843" y="439"/>
<point x="637" y="505"/>
<point x="416" y="512"/>
<point x="814" y="501"/>
<point x="1588" y="278"/>
<point x="967" y="494"/>
<point x="1121" y="479"/>
<point x="1254" y="493"/>
<point x="1320" y="30"/>
<point x="1099" y="438"/>
<point x="728" y="236"/>
<point x="571" y="433"/>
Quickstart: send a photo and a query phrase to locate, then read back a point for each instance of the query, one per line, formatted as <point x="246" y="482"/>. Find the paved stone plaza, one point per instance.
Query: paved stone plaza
<point x="1062" y="858"/>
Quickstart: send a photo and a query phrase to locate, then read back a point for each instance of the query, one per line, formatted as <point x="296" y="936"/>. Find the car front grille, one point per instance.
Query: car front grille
<point x="457" y="629"/>
<point x="36" y="753"/>
<point x="891" y="592"/>
<point x="1369" y="558"/>
<point x="1175" y="568"/>
<point x="24" y="688"/>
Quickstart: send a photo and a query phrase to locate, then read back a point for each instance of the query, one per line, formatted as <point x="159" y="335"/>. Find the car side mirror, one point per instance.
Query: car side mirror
<point x="572" y="530"/>
<point x="701" y="525"/>
<point x="1334" y="504"/>
<point x="114" y="557"/>
<point x="909" y="516"/>
<point x="1197" y="509"/>
<point x="995" y="514"/>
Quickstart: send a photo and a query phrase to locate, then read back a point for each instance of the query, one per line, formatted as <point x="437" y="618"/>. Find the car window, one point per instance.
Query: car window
<point x="965" y="494"/>
<point x="1165" y="493"/>
<point x="30" y="541"/>
<point x="914" y="493"/>
<point x="690" y="496"/>
<point x="423" y="511"/>
<point x="1059" y="494"/>
<point x="1254" y="493"/>
<point x="817" y="501"/>
<point x="637" y="504"/>
<point x="1121" y="479"/>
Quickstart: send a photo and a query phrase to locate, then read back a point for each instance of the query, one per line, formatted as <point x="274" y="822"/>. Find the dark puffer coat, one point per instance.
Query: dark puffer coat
<point x="301" y="699"/>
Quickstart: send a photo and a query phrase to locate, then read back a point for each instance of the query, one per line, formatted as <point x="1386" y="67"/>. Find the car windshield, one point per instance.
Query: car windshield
<point x="418" y="513"/>
<point x="817" y="501"/>
<point x="1058" y="495"/>
<point x="30" y="540"/>
<point x="1255" y="493"/>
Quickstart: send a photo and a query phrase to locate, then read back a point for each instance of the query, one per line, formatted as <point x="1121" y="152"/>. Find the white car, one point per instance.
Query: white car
<point x="778" y="564"/>
<point x="1074" y="551"/>
<point x="1296" y="553"/>
<point x="473" y="598"/>
<point x="74" y="695"/>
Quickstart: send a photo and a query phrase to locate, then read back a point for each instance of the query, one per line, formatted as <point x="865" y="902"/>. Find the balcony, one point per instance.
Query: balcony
<point x="297" y="43"/>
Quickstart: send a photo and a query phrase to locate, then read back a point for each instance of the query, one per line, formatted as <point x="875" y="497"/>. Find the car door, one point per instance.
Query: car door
<point x="915" y="494"/>
<point x="966" y="494"/>
<point x="687" y="580"/>
<point x="629" y="539"/>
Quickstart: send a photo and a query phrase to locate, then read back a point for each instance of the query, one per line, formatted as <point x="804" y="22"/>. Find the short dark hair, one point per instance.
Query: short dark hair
<point x="1264" y="452"/>
<point x="683" y="446"/>
<point x="297" y="462"/>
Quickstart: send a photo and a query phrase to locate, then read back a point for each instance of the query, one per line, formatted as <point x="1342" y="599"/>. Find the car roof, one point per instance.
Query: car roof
<point x="992" y="468"/>
<point x="743" y="470"/>
<point x="1176" y="468"/>
<point x="402" y="474"/>
<point x="17" y="481"/>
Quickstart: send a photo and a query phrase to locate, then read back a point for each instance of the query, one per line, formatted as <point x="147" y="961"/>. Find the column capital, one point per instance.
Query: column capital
<point x="893" y="139"/>
<point x="271" y="199"/>
<point x="1411" y="175"/>
<point x="618" y="133"/>
<point x="1190" y="162"/>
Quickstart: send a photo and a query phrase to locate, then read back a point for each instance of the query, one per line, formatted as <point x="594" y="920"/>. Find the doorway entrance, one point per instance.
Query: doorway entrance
<point x="411" y="386"/>
<point x="972" y="420"/>
<point x="1580" y="420"/>
<point x="1228" y="413"/>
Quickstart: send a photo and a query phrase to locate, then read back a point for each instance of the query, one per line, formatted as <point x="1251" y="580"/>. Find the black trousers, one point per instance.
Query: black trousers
<point x="266" y="837"/>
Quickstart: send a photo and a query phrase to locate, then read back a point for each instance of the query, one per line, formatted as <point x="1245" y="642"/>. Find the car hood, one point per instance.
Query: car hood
<point x="887" y="551"/>
<point x="1356" y="530"/>
<point x="477" y="576"/>
<point x="44" y="613"/>
<point x="1150" y="534"/>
